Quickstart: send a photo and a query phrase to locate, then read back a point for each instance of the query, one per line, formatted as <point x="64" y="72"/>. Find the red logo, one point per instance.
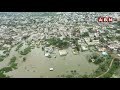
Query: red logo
<point x="105" y="19"/>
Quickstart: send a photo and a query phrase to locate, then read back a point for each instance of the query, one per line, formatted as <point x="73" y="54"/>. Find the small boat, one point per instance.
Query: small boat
<point x="51" y="69"/>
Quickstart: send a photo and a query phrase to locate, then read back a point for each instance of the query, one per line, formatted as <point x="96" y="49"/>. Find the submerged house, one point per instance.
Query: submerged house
<point x="62" y="52"/>
<point x="84" y="48"/>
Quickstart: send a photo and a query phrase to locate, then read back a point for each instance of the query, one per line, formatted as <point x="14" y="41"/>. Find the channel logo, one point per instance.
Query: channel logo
<point x="105" y="19"/>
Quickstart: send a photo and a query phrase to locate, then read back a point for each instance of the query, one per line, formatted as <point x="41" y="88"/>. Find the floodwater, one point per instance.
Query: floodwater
<point x="37" y="65"/>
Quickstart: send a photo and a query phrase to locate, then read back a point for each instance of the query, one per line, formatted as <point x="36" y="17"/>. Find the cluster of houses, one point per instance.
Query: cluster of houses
<point x="63" y="25"/>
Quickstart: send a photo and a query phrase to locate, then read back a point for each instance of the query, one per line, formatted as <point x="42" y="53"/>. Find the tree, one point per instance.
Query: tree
<point x="90" y="40"/>
<point x="12" y="60"/>
<point x="1" y="58"/>
<point x="118" y="38"/>
<point x="118" y="23"/>
<point x="14" y="65"/>
<point x="94" y="55"/>
<point x="26" y="51"/>
<point x="19" y="46"/>
<point x="3" y="75"/>
<point x="117" y="31"/>
<point x="86" y="34"/>
<point x="24" y="59"/>
<point x="102" y="40"/>
<point x="77" y="48"/>
<point x="116" y="63"/>
<point x="5" y="69"/>
<point x="42" y="48"/>
<point x="89" y="60"/>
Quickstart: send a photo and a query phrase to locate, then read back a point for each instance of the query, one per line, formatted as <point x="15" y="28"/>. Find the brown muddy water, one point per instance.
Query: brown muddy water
<point x="37" y="65"/>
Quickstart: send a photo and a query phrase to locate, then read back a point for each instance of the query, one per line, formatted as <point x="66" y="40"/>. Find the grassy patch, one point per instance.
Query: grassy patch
<point x="112" y="70"/>
<point x="12" y="63"/>
<point x="5" y="69"/>
<point x="26" y="51"/>
<point x="12" y="60"/>
<point x="19" y="46"/>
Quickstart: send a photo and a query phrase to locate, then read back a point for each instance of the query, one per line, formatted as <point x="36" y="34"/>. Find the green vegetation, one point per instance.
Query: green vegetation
<point x="112" y="70"/>
<point x="86" y="34"/>
<point x="104" y="67"/>
<point x="24" y="59"/>
<point x="90" y="29"/>
<point x="5" y="69"/>
<point x="97" y="58"/>
<point x="26" y="51"/>
<point x="42" y="48"/>
<point x="66" y="39"/>
<point x="29" y="43"/>
<point x="118" y="31"/>
<point x="52" y="41"/>
<point x="12" y="63"/>
<point x="102" y="40"/>
<point x="77" y="48"/>
<point x="1" y="58"/>
<point x="58" y="43"/>
<point x="118" y="38"/>
<point x="6" y="50"/>
<point x="111" y="37"/>
<point x="118" y="23"/>
<point x="3" y="75"/>
<point x="19" y="46"/>
<point x="74" y="41"/>
<point x="109" y="28"/>
<point x="12" y="60"/>
<point x="91" y="40"/>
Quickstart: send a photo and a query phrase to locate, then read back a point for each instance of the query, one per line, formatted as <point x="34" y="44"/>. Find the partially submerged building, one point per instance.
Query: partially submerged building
<point x="62" y="52"/>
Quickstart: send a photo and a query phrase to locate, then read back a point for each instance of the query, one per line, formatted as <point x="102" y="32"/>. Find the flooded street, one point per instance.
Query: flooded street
<point x="37" y="65"/>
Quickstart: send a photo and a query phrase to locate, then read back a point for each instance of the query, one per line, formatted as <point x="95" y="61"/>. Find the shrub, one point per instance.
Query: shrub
<point x="26" y="51"/>
<point x="1" y="58"/>
<point x="12" y="60"/>
<point x="3" y="75"/>
<point x="5" y="69"/>
<point x="24" y="59"/>
<point x="19" y="46"/>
